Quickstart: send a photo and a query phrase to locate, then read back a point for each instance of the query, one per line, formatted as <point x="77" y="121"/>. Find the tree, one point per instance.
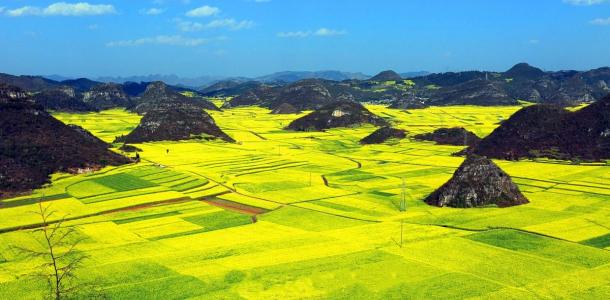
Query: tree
<point x="59" y="253"/>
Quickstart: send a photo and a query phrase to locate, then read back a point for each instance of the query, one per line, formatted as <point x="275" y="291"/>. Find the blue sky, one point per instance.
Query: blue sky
<point x="255" y="37"/>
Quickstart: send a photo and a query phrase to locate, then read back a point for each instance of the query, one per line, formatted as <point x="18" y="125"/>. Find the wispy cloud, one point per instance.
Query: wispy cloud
<point x="294" y="34"/>
<point x="152" y="11"/>
<point x="231" y="24"/>
<point x="584" y="2"/>
<point x="63" y="9"/>
<point x="169" y="40"/>
<point x="303" y="34"/>
<point x="203" y="11"/>
<point x="600" y="22"/>
<point x="329" y="32"/>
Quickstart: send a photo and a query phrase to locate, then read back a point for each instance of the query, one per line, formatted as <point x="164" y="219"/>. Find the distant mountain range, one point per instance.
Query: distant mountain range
<point x="206" y="81"/>
<point x="521" y="82"/>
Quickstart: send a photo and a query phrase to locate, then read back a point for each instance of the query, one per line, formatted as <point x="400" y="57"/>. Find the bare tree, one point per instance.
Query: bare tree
<point x="59" y="253"/>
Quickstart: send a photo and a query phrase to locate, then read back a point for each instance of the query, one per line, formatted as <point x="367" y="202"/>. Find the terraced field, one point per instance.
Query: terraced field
<point x="285" y="215"/>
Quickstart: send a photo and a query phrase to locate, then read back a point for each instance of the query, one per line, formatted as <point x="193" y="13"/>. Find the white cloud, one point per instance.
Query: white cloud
<point x="152" y="11"/>
<point x="231" y="24"/>
<point x="303" y="34"/>
<point x="93" y="27"/>
<point x="24" y="11"/>
<point x="64" y="9"/>
<point x="172" y="40"/>
<point x="294" y="34"/>
<point x="204" y="11"/>
<point x="329" y="32"/>
<point x="601" y="22"/>
<point x="584" y="2"/>
<point x="1" y="9"/>
<point x="534" y="41"/>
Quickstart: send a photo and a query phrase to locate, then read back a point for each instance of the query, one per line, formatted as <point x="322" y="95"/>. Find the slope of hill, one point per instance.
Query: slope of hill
<point x="550" y="131"/>
<point x="33" y="145"/>
<point x="28" y="83"/>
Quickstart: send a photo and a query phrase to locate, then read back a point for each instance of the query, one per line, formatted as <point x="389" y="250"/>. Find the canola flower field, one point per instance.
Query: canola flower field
<point x="309" y="215"/>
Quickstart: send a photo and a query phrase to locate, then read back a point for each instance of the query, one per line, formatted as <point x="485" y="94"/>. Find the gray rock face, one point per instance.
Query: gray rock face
<point x="12" y="94"/>
<point x="478" y="182"/>
<point x="106" y="96"/>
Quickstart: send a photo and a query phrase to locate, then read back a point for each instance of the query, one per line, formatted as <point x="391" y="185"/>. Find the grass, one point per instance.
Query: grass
<point x="328" y="223"/>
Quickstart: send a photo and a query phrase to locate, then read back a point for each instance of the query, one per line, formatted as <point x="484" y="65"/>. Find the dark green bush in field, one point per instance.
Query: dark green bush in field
<point x="235" y="276"/>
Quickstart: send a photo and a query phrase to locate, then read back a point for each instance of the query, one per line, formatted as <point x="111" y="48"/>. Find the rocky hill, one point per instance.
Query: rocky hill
<point x="383" y="134"/>
<point x="33" y="145"/>
<point x="478" y="182"/>
<point x="176" y="123"/>
<point x="456" y="136"/>
<point x="159" y="95"/>
<point x="551" y="131"/>
<point x="337" y="114"/>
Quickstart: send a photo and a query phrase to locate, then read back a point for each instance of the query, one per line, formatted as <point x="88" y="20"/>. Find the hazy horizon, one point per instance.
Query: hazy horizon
<point x="250" y="38"/>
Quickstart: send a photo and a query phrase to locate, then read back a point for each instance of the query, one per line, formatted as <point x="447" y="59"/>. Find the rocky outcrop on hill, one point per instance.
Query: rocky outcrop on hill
<point x="33" y="145"/>
<point x="62" y="98"/>
<point x="551" y="131"/>
<point x="456" y="136"/>
<point x="337" y="114"/>
<point x="285" y="109"/>
<point x="160" y="96"/>
<point x="388" y="75"/>
<point x="174" y="124"/>
<point x="383" y="134"/>
<point x="12" y="94"/>
<point x="106" y="96"/>
<point x="478" y="182"/>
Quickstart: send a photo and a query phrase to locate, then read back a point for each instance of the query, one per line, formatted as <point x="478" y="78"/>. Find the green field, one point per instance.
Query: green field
<point x="309" y="215"/>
